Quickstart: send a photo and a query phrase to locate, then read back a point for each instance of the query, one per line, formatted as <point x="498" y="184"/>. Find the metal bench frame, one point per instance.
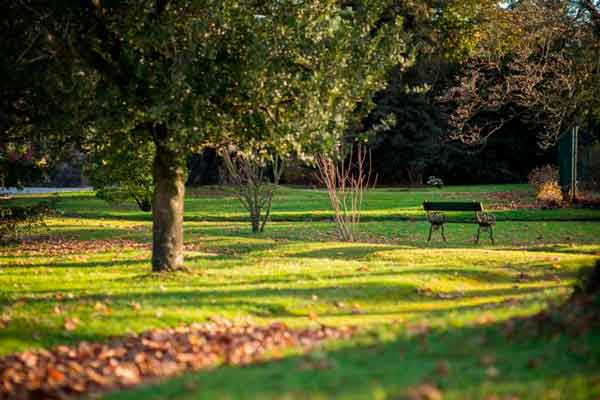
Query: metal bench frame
<point x="437" y="220"/>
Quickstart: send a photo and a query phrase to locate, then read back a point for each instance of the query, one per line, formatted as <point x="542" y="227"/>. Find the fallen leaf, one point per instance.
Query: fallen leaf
<point x="442" y="368"/>
<point x="20" y="303"/>
<point x="446" y="296"/>
<point x="55" y="375"/>
<point x="492" y="371"/>
<point x="5" y="319"/>
<point x="424" y="392"/>
<point x="339" y="304"/>
<point x="71" y="323"/>
<point x="487" y="360"/>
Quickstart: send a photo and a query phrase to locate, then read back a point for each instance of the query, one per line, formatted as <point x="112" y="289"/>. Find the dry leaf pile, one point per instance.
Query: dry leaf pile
<point x="65" y="372"/>
<point x="61" y="247"/>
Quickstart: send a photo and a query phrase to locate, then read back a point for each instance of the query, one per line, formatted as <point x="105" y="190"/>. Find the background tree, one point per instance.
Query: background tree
<point x="441" y="38"/>
<point x="412" y="144"/>
<point x="123" y="171"/>
<point x="541" y="67"/>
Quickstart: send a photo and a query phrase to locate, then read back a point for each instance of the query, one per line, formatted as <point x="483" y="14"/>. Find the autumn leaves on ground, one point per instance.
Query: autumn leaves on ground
<point x="295" y="313"/>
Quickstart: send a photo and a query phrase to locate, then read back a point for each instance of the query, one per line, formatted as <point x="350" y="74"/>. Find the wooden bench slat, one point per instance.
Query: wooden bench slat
<point x="452" y="206"/>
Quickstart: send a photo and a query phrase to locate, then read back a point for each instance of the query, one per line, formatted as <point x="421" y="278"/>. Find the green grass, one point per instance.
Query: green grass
<point x="387" y="280"/>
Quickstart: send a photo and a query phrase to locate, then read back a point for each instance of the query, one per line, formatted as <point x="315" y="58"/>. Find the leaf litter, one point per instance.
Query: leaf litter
<point x="65" y="372"/>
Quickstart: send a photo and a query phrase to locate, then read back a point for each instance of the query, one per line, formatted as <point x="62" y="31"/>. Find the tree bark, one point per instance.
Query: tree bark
<point x="167" y="210"/>
<point x="255" y="219"/>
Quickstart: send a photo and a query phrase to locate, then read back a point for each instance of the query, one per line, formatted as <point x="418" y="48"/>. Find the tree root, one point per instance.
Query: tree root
<point x="179" y="268"/>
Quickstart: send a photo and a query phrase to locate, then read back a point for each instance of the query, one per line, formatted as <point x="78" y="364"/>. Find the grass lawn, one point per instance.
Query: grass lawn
<point x="95" y="267"/>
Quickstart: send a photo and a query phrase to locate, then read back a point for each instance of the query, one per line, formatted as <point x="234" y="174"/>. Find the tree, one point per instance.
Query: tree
<point x="541" y="68"/>
<point x="123" y="171"/>
<point x="412" y="143"/>
<point x="180" y="74"/>
<point x="249" y="174"/>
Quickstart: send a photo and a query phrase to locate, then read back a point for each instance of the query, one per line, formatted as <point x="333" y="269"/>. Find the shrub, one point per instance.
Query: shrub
<point x="121" y="171"/>
<point x="118" y="195"/>
<point x="545" y="182"/>
<point x="435" y="181"/>
<point x="542" y="175"/>
<point x="550" y="195"/>
<point x="248" y="173"/>
<point x="18" y="220"/>
<point x="347" y="180"/>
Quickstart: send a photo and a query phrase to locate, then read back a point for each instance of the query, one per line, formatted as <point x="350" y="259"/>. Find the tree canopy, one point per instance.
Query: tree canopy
<point x="180" y="74"/>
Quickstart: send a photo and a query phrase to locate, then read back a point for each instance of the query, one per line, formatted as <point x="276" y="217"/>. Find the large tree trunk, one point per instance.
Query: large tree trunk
<point x="167" y="209"/>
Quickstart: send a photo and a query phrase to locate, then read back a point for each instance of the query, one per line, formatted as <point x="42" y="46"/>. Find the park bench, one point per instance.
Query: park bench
<point x="437" y="219"/>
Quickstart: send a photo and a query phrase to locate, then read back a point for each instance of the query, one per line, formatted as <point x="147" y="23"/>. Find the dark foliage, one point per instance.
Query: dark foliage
<point x="416" y="146"/>
<point x="205" y="168"/>
<point x="16" y="221"/>
<point x="589" y="281"/>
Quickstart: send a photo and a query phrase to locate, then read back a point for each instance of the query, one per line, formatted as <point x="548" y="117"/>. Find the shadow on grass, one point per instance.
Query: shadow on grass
<point x="247" y="299"/>
<point x="46" y="336"/>
<point x="480" y="275"/>
<point x="565" y="248"/>
<point x="464" y="363"/>
<point x="389" y="215"/>
<point x="273" y="303"/>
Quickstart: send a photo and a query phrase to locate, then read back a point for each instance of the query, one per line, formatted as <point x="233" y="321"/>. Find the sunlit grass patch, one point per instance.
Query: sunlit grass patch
<point x="92" y="264"/>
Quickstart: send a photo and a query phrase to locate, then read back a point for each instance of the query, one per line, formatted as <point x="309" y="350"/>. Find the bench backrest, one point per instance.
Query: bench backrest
<point x="452" y="206"/>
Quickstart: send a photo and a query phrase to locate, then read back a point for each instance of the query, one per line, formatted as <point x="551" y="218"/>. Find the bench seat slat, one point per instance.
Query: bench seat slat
<point x="452" y="206"/>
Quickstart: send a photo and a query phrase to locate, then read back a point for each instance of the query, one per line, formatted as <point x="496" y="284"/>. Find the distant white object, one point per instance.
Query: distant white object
<point x="42" y="190"/>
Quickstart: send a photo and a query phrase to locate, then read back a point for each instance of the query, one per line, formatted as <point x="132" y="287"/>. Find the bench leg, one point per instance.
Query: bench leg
<point x="430" y="230"/>
<point x="492" y="235"/>
<point x="478" y="232"/>
<point x="443" y="236"/>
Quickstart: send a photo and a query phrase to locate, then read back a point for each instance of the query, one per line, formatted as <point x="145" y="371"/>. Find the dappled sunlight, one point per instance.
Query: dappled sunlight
<point x="261" y="278"/>
<point x="87" y="277"/>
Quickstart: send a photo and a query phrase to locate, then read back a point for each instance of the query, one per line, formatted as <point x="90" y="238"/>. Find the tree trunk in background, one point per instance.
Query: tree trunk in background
<point x="167" y="209"/>
<point x="255" y="219"/>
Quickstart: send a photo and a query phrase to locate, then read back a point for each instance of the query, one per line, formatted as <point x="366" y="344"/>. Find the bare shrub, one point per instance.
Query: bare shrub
<point x="347" y="181"/>
<point x="253" y="186"/>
